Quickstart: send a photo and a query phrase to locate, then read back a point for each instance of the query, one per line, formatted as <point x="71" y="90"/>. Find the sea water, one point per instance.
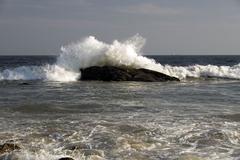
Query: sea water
<point x="49" y="114"/>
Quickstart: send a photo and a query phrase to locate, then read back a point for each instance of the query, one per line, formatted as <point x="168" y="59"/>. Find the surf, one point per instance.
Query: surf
<point x="90" y="52"/>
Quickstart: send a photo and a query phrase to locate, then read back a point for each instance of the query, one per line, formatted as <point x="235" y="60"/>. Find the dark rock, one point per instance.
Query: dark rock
<point x="8" y="147"/>
<point x="66" y="158"/>
<point x="111" y="73"/>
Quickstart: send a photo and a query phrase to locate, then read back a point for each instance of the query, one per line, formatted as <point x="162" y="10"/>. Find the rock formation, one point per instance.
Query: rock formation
<point x="112" y="73"/>
<point x="8" y="147"/>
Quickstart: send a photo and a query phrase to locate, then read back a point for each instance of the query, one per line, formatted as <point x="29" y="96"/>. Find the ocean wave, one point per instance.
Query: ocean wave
<point x="92" y="52"/>
<point x="46" y="73"/>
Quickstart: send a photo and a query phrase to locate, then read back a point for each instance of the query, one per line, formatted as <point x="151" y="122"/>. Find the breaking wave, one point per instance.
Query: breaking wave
<point x="92" y="52"/>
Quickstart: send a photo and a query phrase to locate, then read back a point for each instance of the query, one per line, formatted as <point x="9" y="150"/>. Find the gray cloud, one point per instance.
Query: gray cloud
<point x="187" y="26"/>
<point x="150" y="9"/>
<point x="2" y="3"/>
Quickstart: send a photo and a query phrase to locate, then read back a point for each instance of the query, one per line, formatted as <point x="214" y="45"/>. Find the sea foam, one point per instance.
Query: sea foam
<point x="92" y="52"/>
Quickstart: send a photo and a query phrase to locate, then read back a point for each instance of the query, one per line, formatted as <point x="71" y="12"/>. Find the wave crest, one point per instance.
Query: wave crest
<point x="92" y="52"/>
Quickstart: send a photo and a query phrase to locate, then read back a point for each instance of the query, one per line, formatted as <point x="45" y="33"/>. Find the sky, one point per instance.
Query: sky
<point x="35" y="27"/>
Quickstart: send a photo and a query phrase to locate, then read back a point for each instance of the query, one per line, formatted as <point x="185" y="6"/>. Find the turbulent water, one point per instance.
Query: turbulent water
<point x="92" y="52"/>
<point x="49" y="114"/>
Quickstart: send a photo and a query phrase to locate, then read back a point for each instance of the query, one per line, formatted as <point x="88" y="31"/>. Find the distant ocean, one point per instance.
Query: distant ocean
<point x="49" y="114"/>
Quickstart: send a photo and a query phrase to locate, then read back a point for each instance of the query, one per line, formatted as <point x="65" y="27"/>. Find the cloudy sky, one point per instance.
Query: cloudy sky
<point x="170" y="26"/>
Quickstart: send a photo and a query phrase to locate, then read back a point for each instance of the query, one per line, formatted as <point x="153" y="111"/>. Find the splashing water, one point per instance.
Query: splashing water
<point x="92" y="52"/>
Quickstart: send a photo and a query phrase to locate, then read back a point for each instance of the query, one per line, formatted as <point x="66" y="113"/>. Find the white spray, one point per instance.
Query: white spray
<point x="92" y="52"/>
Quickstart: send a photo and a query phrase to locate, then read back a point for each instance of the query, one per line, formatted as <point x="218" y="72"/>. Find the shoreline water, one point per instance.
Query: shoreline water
<point x="140" y="120"/>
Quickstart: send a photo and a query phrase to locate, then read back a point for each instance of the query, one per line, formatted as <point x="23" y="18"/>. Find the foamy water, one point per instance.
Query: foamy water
<point x="126" y="120"/>
<point x="92" y="52"/>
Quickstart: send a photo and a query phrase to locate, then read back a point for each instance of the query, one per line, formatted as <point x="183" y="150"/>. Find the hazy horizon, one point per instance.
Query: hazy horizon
<point x="144" y="54"/>
<point x="189" y="27"/>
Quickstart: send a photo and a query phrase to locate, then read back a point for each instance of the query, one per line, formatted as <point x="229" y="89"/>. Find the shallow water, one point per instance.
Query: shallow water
<point x="121" y="120"/>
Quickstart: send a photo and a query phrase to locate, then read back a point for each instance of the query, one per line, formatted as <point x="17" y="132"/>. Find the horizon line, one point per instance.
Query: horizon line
<point x="140" y="54"/>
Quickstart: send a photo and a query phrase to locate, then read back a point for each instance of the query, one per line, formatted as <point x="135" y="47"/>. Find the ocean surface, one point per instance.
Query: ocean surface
<point x="50" y="114"/>
<point x="196" y="118"/>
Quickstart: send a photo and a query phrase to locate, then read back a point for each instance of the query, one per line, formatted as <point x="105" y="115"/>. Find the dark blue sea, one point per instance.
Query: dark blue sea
<point x="49" y="114"/>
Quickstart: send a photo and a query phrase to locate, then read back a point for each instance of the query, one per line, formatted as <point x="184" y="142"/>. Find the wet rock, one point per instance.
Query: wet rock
<point x="111" y="73"/>
<point x="66" y="158"/>
<point x="8" y="147"/>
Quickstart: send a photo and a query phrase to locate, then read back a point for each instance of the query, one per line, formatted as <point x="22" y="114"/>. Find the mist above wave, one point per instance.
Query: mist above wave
<point x="92" y="52"/>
